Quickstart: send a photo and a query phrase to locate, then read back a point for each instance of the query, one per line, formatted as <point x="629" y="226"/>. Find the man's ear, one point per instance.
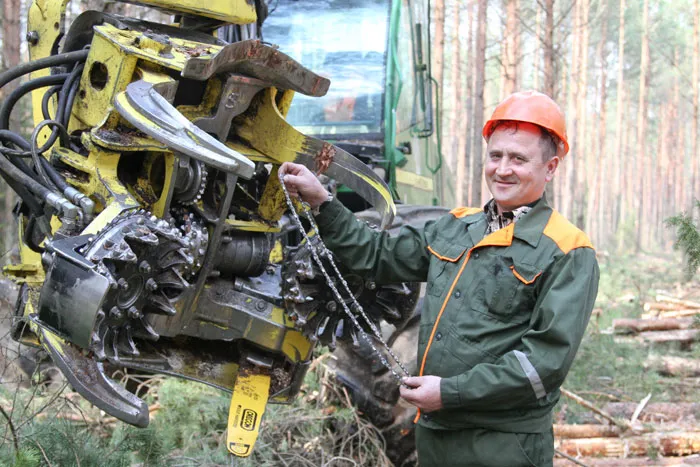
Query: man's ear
<point x="551" y="167"/>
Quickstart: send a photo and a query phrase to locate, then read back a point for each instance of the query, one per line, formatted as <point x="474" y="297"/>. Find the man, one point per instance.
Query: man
<point x="510" y="291"/>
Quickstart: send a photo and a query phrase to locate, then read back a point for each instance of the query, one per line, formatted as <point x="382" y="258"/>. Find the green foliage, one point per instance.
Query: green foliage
<point x="688" y="240"/>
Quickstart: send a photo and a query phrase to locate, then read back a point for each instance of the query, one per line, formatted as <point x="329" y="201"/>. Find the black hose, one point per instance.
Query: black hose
<point x="53" y="60"/>
<point x="8" y="169"/>
<point x="14" y="138"/>
<point x="23" y="89"/>
<point x="31" y="201"/>
<point x="45" y="101"/>
<point x="70" y="89"/>
<point x="53" y="174"/>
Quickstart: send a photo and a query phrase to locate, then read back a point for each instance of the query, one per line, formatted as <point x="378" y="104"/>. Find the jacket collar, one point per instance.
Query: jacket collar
<point x="529" y="228"/>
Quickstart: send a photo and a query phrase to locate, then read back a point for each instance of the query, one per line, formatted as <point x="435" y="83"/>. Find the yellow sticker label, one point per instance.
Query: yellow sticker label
<point x="248" y="402"/>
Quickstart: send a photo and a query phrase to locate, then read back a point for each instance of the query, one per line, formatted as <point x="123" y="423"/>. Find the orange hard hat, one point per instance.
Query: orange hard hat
<point x="531" y="107"/>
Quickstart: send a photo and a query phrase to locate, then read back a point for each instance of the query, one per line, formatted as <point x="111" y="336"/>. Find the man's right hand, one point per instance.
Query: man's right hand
<point x="303" y="184"/>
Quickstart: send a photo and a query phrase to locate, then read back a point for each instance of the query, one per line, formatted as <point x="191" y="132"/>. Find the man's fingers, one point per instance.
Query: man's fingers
<point x="412" y="381"/>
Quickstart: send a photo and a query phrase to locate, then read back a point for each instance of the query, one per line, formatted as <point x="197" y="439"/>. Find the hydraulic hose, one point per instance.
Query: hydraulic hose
<point x="14" y="138"/>
<point x="23" y="89"/>
<point x="62" y="205"/>
<point x="45" y="101"/>
<point x="53" y="60"/>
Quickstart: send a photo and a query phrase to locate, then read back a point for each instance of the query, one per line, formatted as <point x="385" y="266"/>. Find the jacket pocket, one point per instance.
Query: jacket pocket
<point x="510" y="291"/>
<point x="444" y="261"/>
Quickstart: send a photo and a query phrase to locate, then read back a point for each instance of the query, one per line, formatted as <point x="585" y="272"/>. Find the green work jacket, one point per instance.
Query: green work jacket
<point x="503" y="314"/>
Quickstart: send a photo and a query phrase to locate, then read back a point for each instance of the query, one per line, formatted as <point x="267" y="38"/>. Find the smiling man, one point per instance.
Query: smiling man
<point x="510" y="290"/>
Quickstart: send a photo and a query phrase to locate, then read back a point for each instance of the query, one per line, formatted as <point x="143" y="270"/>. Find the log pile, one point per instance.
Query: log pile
<point x="667" y="319"/>
<point x="657" y="433"/>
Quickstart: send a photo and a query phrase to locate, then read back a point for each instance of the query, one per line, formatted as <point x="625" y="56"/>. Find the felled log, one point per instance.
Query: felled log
<point x="681" y="336"/>
<point x="585" y="431"/>
<point x="629" y="462"/>
<point x="671" y="314"/>
<point x="649" y="306"/>
<point x="655" y="411"/>
<point x="665" y="444"/>
<point x="677" y="301"/>
<point x="674" y="366"/>
<point x="625" y="325"/>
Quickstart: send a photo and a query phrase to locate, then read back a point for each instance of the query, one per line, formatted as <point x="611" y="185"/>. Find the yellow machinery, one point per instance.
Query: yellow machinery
<point x="152" y="223"/>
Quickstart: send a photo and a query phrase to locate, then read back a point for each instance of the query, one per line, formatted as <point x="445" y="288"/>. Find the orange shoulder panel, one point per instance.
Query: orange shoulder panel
<point x="565" y="234"/>
<point x="463" y="212"/>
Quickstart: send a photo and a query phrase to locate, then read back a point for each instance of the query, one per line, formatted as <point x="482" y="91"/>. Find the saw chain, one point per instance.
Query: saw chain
<point x="318" y="249"/>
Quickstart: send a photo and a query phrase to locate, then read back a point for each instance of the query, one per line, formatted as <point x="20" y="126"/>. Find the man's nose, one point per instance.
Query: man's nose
<point x="503" y="167"/>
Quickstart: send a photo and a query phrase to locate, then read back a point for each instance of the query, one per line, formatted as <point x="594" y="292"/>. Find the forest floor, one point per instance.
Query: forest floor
<point x="613" y="372"/>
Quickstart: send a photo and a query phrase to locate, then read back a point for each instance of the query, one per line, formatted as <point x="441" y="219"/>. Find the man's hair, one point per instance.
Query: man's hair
<point x="549" y="142"/>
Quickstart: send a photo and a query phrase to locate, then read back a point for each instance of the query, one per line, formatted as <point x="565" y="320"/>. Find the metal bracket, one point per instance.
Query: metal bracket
<point x="143" y="106"/>
<point x="253" y="58"/>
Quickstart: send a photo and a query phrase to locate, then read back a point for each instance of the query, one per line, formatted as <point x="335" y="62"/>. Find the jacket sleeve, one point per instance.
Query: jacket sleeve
<point x="521" y="378"/>
<point x="399" y="258"/>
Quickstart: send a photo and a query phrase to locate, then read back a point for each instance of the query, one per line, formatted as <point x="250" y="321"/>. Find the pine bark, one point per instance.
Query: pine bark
<point x="550" y="84"/>
<point x="480" y="62"/>
<point x="584" y="161"/>
<point x="457" y="114"/>
<point x="509" y="55"/>
<point x="694" y="136"/>
<point x="640" y="153"/>
<point x="619" y="184"/>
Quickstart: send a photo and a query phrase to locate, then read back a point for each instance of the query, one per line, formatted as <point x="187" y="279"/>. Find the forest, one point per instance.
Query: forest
<point x="627" y="75"/>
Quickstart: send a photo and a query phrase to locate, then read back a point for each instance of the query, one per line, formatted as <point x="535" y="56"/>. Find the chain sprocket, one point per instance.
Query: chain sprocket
<point x="148" y="262"/>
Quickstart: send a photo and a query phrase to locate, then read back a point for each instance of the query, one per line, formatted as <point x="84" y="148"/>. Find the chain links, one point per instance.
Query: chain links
<point x="318" y="249"/>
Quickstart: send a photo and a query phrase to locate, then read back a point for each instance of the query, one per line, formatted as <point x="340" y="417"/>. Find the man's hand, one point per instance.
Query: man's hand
<point x="302" y="183"/>
<point x="423" y="392"/>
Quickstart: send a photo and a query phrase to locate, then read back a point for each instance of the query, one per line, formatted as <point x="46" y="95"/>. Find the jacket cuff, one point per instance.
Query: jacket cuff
<point x="449" y="392"/>
<point x="328" y="212"/>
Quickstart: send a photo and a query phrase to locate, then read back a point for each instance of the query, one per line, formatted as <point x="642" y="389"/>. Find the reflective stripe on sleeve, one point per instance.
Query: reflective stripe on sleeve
<point x="531" y="374"/>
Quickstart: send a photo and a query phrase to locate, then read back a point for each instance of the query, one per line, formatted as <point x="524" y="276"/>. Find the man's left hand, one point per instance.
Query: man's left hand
<point x="423" y="392"/>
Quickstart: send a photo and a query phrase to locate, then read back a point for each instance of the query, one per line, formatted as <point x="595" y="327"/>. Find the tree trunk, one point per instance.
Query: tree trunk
<point x="595" y="210"/>
<point x="538" y="49"/>
<point x="550" y="81"/>
<point x="585" y="431"/>
<point x="509" y="55"/>
<point x="694" y="135"/>
<point x="619" y="179"/>
<point x="480" y="62"/>
<point x="665" y="444"/>
<point x="674" y="366"/>
<point x="458" y="114"/>
<point x="641" y="127"/>
<point x="627" y="325"/>
<point x="583" y="155"/>
<point x="468" y="132"/>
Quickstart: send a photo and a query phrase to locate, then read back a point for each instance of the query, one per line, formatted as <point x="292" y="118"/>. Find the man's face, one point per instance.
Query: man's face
<point x="515" y="171"/>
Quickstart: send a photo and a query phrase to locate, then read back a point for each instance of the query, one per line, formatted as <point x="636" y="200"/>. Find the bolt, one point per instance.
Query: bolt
<point x="151" y="285"/>
<point x="115" y="313"/>
<point x="33" y="37"/>
<point x="331" y="306"/>
<point x="123" y="284"/>
<point x="133" y="312"/>
<point x="144" y="267"/>
<point x="260" y="305"/>
<point x="370" y="285"/>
